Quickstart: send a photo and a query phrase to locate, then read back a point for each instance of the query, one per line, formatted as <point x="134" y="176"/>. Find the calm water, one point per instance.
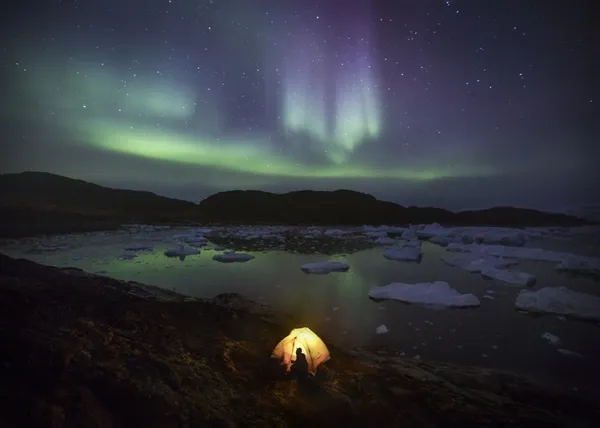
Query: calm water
<point x="337" y="307"/>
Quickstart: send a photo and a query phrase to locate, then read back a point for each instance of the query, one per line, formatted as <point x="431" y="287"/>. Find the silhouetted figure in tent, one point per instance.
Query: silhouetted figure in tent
<point x="300" y="366"/>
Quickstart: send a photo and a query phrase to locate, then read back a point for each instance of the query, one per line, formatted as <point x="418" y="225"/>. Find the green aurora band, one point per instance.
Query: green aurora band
<point x="149" y="116"/>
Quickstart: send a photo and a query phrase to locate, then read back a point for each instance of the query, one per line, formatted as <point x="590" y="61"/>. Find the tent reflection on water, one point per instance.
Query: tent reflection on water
<point x="312" y="346"/>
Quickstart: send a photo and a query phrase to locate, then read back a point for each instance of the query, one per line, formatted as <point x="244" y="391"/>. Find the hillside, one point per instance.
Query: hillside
<point x="346" y="207"/>
<point x="80" y="350"/>
<point x="37" y="202"/>
<point x="54" y="192"/>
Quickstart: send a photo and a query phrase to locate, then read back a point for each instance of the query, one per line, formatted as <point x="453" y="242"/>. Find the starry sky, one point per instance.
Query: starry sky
<point x="456" y="104"/>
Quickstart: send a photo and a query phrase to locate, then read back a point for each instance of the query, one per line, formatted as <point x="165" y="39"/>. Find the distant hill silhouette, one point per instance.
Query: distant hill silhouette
<point x="39" y="202"/>
<point x="346" y="207"/>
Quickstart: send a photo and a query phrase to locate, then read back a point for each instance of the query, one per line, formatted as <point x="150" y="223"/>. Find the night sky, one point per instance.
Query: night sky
<point x="458" y="104"/>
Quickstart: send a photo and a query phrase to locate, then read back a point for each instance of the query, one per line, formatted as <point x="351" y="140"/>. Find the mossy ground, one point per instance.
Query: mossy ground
<point x="85" y="351"/>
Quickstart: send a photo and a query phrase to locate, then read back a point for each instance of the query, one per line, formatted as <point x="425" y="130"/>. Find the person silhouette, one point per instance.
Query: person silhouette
<point x="300" y="366"/>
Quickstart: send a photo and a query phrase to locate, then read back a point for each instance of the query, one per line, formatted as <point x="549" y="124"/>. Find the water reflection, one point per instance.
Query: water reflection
<point x="336" y="305"/>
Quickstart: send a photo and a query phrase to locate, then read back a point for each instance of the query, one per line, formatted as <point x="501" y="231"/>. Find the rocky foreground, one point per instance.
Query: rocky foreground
<point x="80" y="350"/>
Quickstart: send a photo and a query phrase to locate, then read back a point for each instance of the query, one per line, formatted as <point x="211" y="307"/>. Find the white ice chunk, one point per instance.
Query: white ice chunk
<point x="561" y="301"/>
<point x="377" y="234"/>
<point x="181" y="251"/>
<point x="580" y="265"/>
<point x="443" y="241"/>
<point x="386" y="241"/>
<point x="552" y="339"/>
<point x="382" y="329"/>
<point x="403" y="253"/>
<point x="127" y="256"/>
<point x="138" y="247"/>
<point x="511" y="277"/>
<point x="409" y="234"/>
<point x="202" y="231"/>
<point x="567" y="261"/>
<point x="513" y="237"/>
<point x="436" y="293"/>
<point x="232" y="257"/>
<point x="335" y="232"/>
<point x="322" y="268"/>
<point x="569" y="353"/>
<point x="477" y="262"/>
<point x="431" y="230"/>
<point x="413" y="243"/>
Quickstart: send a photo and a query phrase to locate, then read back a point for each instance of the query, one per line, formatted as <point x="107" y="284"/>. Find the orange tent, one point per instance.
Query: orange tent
<point x="312" y="346"/>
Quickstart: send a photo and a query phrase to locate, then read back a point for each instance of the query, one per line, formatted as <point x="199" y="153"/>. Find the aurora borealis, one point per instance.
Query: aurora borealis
<point x="453" y="104"/>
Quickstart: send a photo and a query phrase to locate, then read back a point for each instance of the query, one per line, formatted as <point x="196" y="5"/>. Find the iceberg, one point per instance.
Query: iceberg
<point x="408" y="253"/>
<point x="511" y="277"/>
<point x="232" y="257"/>
<point x="181" y="251"/>
<point x="437" y="294"/>
<point x="561" y="301"/>
<point x="138" y="247"/>
<point x="323" y="268"/>
<point x="477" y="262"/>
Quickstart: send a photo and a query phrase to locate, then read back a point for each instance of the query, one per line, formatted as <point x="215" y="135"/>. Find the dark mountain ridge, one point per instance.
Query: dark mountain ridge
<point x="39" y="202"/>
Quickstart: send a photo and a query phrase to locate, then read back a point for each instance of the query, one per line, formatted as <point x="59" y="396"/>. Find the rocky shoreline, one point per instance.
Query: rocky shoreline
<point x="87" y="350"/>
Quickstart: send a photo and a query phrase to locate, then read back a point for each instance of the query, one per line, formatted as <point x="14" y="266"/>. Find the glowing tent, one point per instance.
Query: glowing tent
<point x="312" y="346"/>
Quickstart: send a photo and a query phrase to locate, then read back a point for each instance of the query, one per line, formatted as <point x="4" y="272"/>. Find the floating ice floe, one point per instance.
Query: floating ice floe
<point x="382" y="329"/>
<point x="232" y="257"/>
<point x="430" y="230"/>
<point x="203" y="231"/>
<point x="195" y="241"/>
<point x="385" y="241"/>
<point x="181" y="251"/>
<point x="437" y="294"/>
<point x="512" y="237"/>
<point x="409" y="234"/>
<point x="408" y="253"/>
<point x="489" y="235"/>
<point x="322" y="268"/>
<point x="561" y="301"/>
<point x="552" y="339"/>
<point x="477" y="262"/>
<point x="511" y="277"/>
<point x="377" y="234"/>
<point x="566" y="261"/>
<point x="127" y="256"/>
<point x="335" y="232"/>
<point x="413" y="243"/>
<point x="580" y="265"/>
<point x="442" y="241"/>
<point x="569" y="353"/>
<point x="138" y="247"/>
<point x="136" y="228"/>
